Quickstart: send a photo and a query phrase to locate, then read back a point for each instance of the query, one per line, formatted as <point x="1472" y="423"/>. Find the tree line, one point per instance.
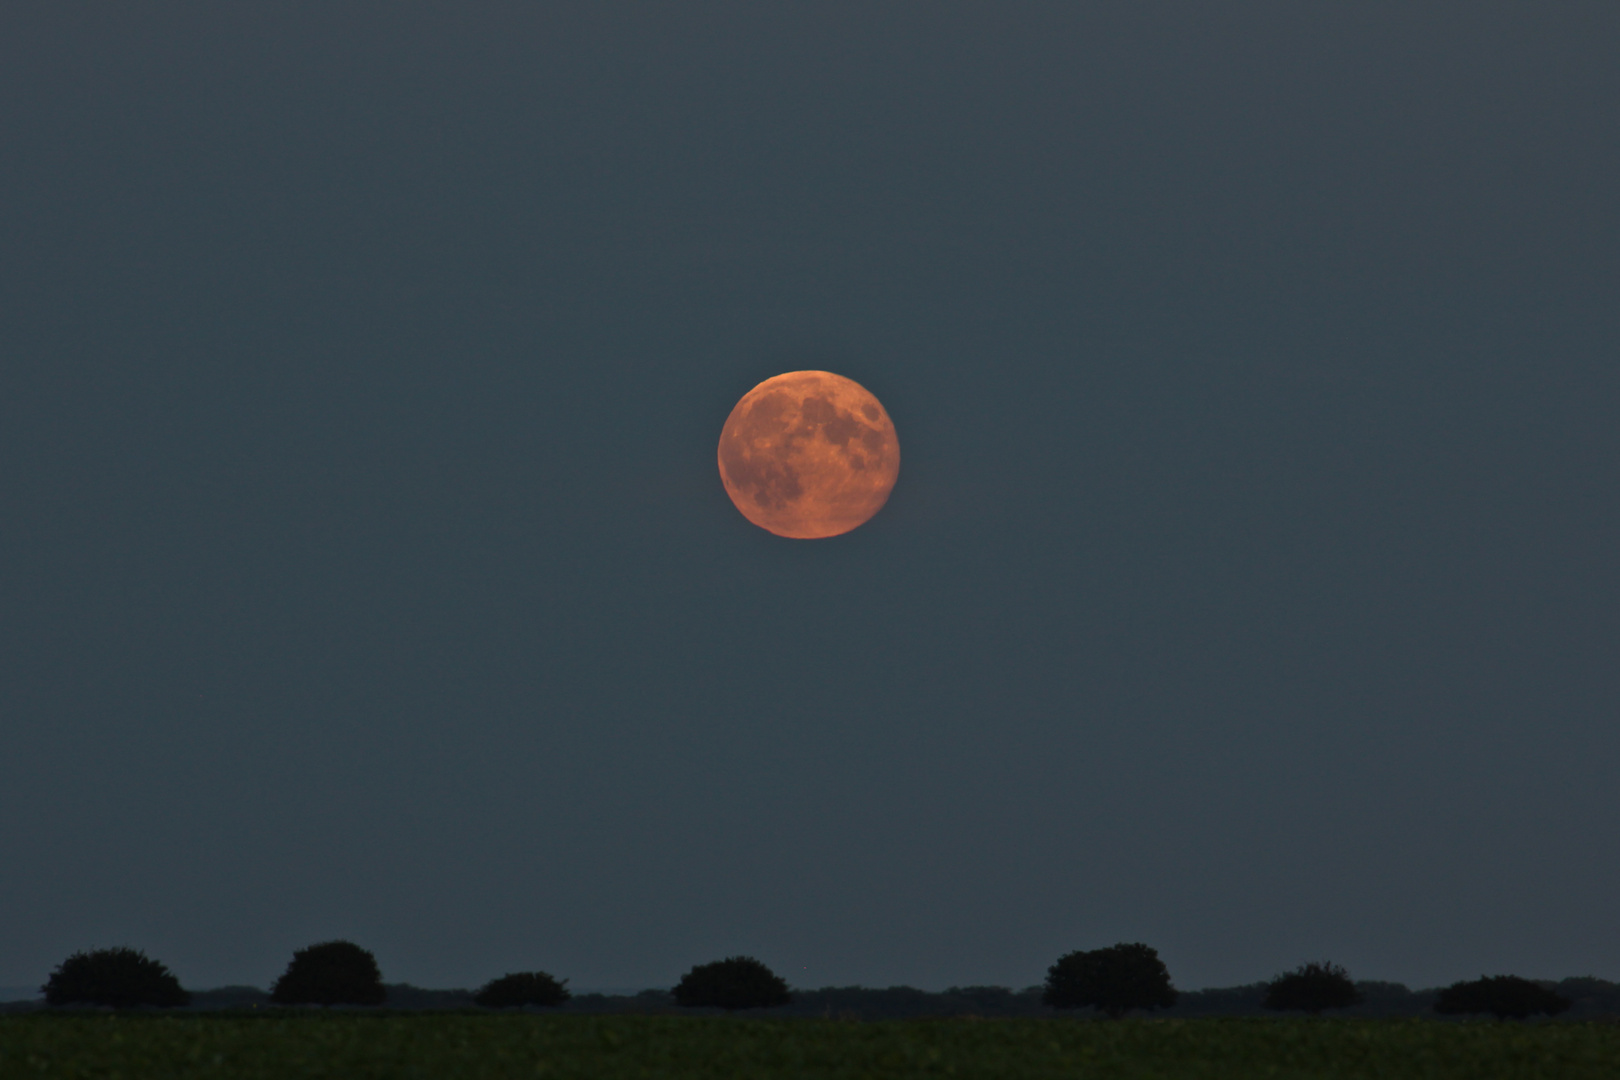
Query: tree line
<point x="1113" y="981"/>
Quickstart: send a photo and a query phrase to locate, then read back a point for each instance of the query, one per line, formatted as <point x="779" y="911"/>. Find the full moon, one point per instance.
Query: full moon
<point x="809" y="454"/>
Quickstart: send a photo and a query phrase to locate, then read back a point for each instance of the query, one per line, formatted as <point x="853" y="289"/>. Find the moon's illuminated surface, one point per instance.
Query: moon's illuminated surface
<point x="809" y="454"/>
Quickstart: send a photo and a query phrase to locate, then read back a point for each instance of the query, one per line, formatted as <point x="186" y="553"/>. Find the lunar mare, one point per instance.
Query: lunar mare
<point x="809" y="454"/>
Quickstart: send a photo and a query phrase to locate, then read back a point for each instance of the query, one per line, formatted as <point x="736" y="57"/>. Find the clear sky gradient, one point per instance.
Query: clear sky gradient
<point x="1249" y="588"/>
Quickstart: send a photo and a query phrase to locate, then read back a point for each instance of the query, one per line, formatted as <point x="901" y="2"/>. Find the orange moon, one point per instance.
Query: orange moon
<point x="809" y="454"/>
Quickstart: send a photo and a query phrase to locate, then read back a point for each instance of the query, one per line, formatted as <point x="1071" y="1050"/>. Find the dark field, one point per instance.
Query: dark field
<point x="442" y="1046"/>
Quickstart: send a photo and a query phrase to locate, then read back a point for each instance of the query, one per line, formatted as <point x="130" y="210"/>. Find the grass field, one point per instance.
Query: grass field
<point x="445" y="1046"/>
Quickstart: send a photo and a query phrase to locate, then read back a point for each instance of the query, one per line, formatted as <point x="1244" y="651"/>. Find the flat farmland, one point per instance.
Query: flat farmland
<point x="440" y="1046"/>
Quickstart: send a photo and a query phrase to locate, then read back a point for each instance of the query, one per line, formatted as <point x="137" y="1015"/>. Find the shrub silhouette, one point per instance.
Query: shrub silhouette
<point x="737" y="982"/>
<point x="331" y="973"/>
<point x="1502" y="995"/>
<point x="122" y="978"/>
<point x="522" y="988"/>
<point x="1115" y="980"/>
<point x="1312" y="988"/>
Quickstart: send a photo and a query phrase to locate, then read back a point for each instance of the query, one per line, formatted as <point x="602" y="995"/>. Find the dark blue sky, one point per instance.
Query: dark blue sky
<point x="1249" y="588"/>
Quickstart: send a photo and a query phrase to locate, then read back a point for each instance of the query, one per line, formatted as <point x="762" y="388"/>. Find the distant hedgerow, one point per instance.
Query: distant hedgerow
<point x="121" y="977"/>
<point x="737" y="982"/>
<point x="331" y="973"/>
<point x="523" y="988"/>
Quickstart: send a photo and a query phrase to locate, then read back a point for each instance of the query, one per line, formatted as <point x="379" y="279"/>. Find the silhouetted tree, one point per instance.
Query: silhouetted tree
<point x="737" y="982"/>
<point x="1503" y="996"/>
<point x="331" y="973"/>
<point x="1115" y="980"/>
<point x="523" y="988"/>
<point x="122" y="978"/>
<point x="1312" y="988"/>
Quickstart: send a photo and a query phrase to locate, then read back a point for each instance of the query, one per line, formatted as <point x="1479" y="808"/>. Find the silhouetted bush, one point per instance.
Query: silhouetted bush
<point x="122" y="978"/>
<point x="522" y="988"/>
<point x="331" y="973"/>
<point x="738" y="982"/>
<point x="1312" y="988"/>
<point x="1115" y="980"/>
<point x="1503" y="996"/>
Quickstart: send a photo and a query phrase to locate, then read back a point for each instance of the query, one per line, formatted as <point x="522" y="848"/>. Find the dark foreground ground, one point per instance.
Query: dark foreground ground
<point x="442" y="1046"/>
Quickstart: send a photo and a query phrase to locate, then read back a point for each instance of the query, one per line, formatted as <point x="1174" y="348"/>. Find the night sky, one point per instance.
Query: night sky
<point x="1249" y="588"/>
